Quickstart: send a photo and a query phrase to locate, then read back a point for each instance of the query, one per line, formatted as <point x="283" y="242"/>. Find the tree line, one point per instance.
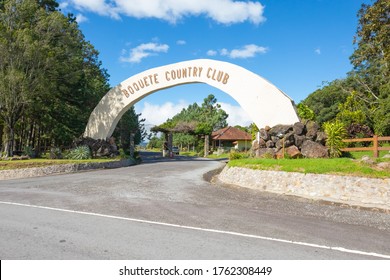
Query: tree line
<point x="361" y="101"/>
<point x="51" y="78"/>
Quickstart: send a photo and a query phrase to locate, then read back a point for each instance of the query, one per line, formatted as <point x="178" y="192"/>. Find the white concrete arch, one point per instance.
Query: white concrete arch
<point x="264" y="102"/>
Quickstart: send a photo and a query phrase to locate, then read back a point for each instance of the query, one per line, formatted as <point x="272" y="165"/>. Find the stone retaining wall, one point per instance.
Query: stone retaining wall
<point x="358" y="191"/>
<point x="61" y="168"/>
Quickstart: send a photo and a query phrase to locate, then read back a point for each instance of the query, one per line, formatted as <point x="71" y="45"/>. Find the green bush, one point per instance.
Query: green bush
<point x="336" y="132"/>
<point x="124" y="154"/>
<point x="55" y="153"/>
<point x="81" y="152"/>
<point x="305" y="112"/>
<point x="28" y="151"/>
<point x="137" y="157"/>
<point x="237" y="155"/>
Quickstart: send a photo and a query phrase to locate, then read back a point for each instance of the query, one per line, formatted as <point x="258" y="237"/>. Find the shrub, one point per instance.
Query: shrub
<point x="124" y="154"/>
<point x="305" y="112"/>
<point x="28" y="151"/>
<point x="137" y="157"/>
<point x="80" y="152"/>
<point x="236" y="155"/>
<point x="356" y="130"/>
<point x="336" y="132"/>
<point x="55" y="153"/>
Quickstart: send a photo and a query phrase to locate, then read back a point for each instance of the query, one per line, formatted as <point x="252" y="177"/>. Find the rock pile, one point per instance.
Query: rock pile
<point x="100" y="147"/>
<point x="298" y="140"/>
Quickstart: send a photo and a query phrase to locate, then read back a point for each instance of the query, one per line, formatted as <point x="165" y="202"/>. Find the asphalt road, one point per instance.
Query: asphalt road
<point x="164" y="209"/>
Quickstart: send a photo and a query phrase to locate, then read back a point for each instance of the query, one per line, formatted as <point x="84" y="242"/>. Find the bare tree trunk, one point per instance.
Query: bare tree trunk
<point x="9" y="142"/>
<point x="36" y="140"/>
<point x="30" y="141"/>
<point x="206" y="145"/>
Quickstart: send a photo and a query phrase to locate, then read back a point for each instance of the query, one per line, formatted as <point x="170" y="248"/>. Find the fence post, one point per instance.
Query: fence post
<point x="375" y="146"/>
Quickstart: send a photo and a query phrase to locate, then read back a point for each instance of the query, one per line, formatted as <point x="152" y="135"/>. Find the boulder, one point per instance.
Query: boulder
<point x="102" y="152"/>
<point x="289" y="152"/>
<point x="299" y="128"/>
<point x="279" y="144"/>
<point x="255" y="145"/>
<point x="299" y="139"/>
<point x="311" y="130"/>
<point x="321" y="138"/>
<point x="113" y="146"/>
<point x="311" y="149"/>
<point x="270" y="144"/>
<point x="100" y="147"/>
<point x="265" y="153"/>
<point x="280" y="130"/>
<point x="293" y="152"/>
<point x="279" y="154"/>
<point x="383" y="165"/>
<point x="284" y="143"/>
<point x="289" y="139"/>
<point x="261" y="143"/>
<point x="254" y="148"/>
<point x="264" y="134"/>
<point x="367" y="160"/>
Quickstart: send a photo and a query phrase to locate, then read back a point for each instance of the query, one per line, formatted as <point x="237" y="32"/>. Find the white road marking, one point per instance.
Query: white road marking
<point x="340" y="249"/>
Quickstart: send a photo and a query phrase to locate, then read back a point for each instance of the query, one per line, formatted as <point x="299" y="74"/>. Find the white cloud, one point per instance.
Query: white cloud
<point x="101" y="7"/>
<point x="63" y="5"/>
<point x="237" y="116"/>
<point x="224" y="52"/>
<point x="245" y="52"/>
<point x="317" y="51"/>
<point x="80" y="18"/>
<point x="211" y="53"/>
<point x="156" y="114"/>
<point x="221" y="11"/>
<point x="181" y="42"/>
<point x="142" y="51"/>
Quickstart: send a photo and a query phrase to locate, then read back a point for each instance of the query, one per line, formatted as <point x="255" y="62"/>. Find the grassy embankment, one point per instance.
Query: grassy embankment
<point x="17" y="164"/>
<point x="336" y="166"/>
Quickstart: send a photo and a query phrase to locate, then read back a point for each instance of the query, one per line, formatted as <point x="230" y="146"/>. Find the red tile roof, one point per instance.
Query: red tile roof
<point x="231" y="134"/>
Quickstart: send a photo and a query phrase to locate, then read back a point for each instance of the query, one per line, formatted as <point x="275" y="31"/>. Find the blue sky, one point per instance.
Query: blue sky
<point x="295" y="44"/>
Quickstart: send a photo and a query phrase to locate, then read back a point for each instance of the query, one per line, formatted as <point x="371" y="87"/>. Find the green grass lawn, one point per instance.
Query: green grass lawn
<point x="17" y="164"/>
<point x="359" y="155"/>
<point x="337" y="166"/>
<point x="188" y="154"/>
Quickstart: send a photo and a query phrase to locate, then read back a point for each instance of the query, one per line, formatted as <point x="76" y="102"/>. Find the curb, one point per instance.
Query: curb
<point x="353" y="191"/>
<point x="62" y="169"/>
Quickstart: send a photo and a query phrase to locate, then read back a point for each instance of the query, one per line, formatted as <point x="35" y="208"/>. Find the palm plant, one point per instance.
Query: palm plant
<point x="336" y="132"/>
